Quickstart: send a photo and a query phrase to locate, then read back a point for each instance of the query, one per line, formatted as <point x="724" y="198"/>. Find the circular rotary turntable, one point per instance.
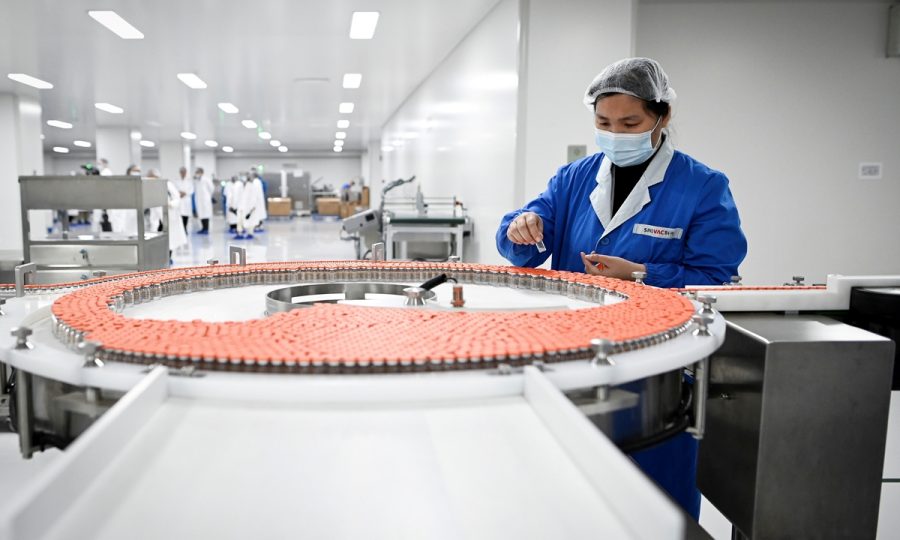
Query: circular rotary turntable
<point x="340" y="338"/>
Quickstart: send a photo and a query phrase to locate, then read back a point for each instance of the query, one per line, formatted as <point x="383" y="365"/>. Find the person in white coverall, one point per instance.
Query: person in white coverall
<point x="98" y="223"/>
<point x="177" y="237"/>
<point x="259" y="187"/>
<point x="185" y="187"/>
<point x="232" y="193"/>
<point x="250" y="202"/>
<point x="203" y="193"/>
<point x="124" y="220"/>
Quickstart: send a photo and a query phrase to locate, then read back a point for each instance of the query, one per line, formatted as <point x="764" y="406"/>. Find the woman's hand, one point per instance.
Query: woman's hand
<point x="528" y="228"/>
<point x="609" y="266"/>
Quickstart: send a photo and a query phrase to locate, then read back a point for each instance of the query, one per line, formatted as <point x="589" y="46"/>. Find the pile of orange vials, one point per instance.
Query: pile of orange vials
<point x="332" y="335"/>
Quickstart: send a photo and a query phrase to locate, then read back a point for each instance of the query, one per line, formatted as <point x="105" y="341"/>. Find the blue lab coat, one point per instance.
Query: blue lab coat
<point x="680" y="221"/>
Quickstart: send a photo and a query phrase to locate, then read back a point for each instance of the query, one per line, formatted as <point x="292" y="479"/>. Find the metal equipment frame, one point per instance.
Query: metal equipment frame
<point x="149" y="249"/>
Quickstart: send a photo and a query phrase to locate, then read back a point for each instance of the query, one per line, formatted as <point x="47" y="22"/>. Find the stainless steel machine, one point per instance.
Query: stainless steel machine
<point x="796" y="427"/>
<point x="418" y="228"/>
<point x="68" y="255"/>
<point x="798" y="411"/>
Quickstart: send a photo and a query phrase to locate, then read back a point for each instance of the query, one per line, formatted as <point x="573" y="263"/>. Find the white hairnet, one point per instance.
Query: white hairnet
<point x="642" y="78"/>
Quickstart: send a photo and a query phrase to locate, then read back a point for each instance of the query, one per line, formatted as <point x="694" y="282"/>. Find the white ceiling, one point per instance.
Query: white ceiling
<point x="254" y="54"/>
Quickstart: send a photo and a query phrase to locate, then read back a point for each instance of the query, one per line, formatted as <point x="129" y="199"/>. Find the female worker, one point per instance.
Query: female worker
<point x="637" y="205"/>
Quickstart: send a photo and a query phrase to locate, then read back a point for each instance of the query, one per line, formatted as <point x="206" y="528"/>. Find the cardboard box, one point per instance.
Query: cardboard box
<point x="348" y="209"/>
<point x="328" y="206"/>
<point x="364" y="200"/>
<point x="279" y="206"/>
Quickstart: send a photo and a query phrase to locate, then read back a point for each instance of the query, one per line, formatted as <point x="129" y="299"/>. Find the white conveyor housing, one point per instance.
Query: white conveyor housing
<point x="523" y="465"/>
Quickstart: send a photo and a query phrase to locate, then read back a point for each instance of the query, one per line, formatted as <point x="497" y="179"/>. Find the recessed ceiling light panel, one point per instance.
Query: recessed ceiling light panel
<point x="116" y="24"/>
<point x="34" y="82"/>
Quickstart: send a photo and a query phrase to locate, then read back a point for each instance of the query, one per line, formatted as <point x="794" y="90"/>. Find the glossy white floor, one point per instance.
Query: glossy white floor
<point x="305" y="238"/>
<point x="283" y="240"/>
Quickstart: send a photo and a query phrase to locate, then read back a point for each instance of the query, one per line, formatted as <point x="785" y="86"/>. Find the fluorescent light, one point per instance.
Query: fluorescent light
<point x="30" y="81"/>
<point x="352" y="80"/>
<point x="188" y="135"/>
<point x="192" y="80"/>
<point x="343" y="124"/>
<point x="249" y="124"/>
<point x="346" y="108"/>
<point x="282" y="148"/>
<point x="227" y="149"/>
<point x="228" y="108"/>
<point x="210" y="143"/>
<point x="148" y="144"/>
<point x="387" y="148"/>
<point x="265" y="135"/>
<point x="340" y="135"/>
<point x="338" y="148"/>
<point x="275" y="142"/>
<point x="61" y="149"/>
<point x="339" y="142"/>
<point x="362" y="25"/>
<point x="109" y="107"/>
<point x="82" y="144"/>
<point x="116" y="24"/>
<point x="59" y="124"/>
<point x="136" y="136"/>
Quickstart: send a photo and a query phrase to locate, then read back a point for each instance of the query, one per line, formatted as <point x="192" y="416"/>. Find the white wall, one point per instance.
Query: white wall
<point x="787" y="99"/>
<point x="19" y="155"/>
<point x="456" y="132"/>
<point x="205" y="159"/>
<point x="335" y="170"/>
<point x="566" y="46"/>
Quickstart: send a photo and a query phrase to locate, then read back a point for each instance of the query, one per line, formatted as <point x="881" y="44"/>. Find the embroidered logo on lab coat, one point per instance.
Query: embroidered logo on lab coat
<point x="657" y="232"/>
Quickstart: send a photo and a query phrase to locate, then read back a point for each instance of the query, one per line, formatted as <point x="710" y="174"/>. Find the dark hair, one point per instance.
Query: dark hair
<point x="659" y="108"/>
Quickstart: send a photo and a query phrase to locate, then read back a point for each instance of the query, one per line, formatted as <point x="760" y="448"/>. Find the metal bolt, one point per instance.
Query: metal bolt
<point x="798" y="280"/>
<point x="707" y="300"/>
<point x="504" y="369"/>
<point x="603" y="392"/>
<point x="212" y="262"/>
<point x="736" y="280"/>
<point x="639" y="277"/>
<point x="453" y="259"/>
<point x="99" y="273"/>
<point x="702" y="321"/>
<point x="602" y="348"/>
<point x="90" y="348"/>
<point x="21" y="334"/>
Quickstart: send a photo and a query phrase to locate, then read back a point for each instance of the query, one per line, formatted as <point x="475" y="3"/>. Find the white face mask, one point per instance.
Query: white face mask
<point x="626" y="149"/>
